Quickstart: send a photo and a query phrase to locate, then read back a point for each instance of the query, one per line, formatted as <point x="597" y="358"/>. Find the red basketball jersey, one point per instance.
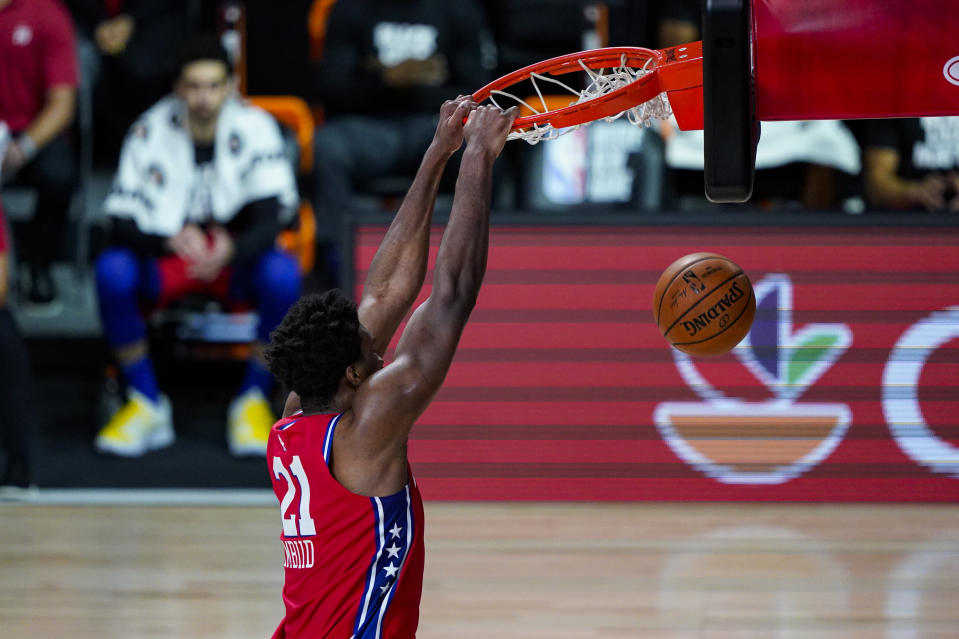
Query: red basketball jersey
<point x="354" y="564"/>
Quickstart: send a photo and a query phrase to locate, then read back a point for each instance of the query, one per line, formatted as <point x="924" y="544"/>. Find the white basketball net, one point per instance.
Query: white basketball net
<point x="599" y="83"/>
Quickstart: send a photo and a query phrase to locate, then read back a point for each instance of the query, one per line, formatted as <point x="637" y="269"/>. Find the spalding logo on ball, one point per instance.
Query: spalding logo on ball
<point x="704" y="304"/>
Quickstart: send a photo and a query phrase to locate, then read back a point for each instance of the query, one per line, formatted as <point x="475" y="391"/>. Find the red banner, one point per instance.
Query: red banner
<point x="846" y="388"/>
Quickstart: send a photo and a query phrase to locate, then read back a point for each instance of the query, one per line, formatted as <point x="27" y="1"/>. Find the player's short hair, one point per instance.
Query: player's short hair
<point x="201" y="47"/>
<point x="314" y="344"/>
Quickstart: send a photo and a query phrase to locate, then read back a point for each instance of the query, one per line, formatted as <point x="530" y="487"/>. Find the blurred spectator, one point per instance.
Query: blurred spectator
<point x="387" y="66"/>
<point x="912" y="163"/>
<point x="17" y="406"/>
<point x="125" y="51"/>
<point x="654" y="25"/>
<point x="678" y="22"/>
<point x="278" y="66"/>
<point x="38" y="80"/>
<point x="203" y="188"/>
<point x="527" y="31"/>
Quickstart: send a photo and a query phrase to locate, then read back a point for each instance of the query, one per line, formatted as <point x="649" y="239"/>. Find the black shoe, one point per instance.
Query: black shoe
<point x="42" y="290"/>
<point x="42" y="294"/>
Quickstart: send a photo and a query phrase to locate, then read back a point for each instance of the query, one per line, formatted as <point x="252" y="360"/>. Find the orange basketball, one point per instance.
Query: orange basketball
<point x="704" y="304"/>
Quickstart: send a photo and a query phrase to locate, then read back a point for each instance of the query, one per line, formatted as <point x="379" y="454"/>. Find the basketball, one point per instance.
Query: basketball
<point x="704" y="304"/>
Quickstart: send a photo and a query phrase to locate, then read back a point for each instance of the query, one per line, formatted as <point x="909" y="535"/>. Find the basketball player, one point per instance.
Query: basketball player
<point x="352" y="513"/>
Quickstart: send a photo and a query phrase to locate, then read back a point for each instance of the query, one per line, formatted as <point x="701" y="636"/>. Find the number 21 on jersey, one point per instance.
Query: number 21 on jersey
<point x="293" y="526"/>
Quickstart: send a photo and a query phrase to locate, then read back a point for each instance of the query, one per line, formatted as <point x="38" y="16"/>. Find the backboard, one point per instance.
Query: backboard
<point x="772" y="60"/>
<point x="730" y="127"/>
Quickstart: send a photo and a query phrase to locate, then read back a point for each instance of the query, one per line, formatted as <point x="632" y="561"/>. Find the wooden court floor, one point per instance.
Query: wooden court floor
<point x="502" y="570"/>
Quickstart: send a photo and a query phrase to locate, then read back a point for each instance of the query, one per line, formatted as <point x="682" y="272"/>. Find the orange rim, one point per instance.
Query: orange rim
<point x="673" y="69"/>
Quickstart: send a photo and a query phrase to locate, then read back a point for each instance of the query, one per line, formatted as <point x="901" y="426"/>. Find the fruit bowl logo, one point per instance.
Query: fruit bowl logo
<point x="770" y="442"/>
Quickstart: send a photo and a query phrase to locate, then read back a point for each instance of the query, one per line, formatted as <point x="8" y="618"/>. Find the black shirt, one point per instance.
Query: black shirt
<point x="924" y="145"/>
<point x="362" y="35"/>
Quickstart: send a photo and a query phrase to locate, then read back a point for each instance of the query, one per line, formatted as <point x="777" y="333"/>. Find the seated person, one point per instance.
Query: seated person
<point x="203" y="188"/>
<point x="527" y="31"/>
<point x="912" y="163"/>
<point x="386" y="64"/>
<point x="38" y="82"/>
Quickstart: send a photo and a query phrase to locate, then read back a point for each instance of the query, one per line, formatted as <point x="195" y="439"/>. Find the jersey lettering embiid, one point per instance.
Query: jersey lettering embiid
<point x="353" y="564"/>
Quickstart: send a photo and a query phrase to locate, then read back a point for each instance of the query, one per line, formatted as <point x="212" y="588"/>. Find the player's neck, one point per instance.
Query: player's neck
<point x="339" y="403"/>
<point x="202" y="132"/>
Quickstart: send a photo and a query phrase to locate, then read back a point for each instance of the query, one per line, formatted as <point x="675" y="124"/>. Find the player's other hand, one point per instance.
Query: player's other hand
<point x="220" y="254"/>
<point x="449" y="131"/>
<point x="13" y="160"/>
<point x="430" y="72"/>
<point x="487" y="128"/>
<point x="952" y="191"/>
<point x="930" y="192"/>
<point x="190" y="244"/>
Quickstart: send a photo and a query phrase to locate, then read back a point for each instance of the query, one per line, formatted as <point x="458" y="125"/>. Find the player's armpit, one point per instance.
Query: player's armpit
<point x="390" y="401"/>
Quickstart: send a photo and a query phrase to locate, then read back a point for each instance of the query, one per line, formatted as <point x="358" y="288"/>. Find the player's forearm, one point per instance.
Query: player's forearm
<point x="461" y="262"/>
<point x="399" y="266"/>
<point x="54" y="118"/>
<point x="892" y="192"/>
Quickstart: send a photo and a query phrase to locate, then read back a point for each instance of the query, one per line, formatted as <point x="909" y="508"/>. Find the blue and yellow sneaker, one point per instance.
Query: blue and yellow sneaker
<point x="141" y="425"/>
<point x="248" y="423"/>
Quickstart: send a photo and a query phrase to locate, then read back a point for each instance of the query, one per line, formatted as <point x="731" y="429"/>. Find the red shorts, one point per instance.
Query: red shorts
<point x="175" y="282"/>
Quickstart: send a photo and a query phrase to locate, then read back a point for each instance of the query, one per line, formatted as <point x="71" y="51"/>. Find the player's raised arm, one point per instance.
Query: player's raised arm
<point x="397" y="271"/>
<point x="390" y="401"/>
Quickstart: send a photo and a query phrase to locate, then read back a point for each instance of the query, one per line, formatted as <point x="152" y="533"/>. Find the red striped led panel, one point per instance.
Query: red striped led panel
<point x="847" y="388"/>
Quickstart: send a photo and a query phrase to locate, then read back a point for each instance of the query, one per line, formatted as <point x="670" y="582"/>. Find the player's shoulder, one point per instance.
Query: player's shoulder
<point x="249" y="114"/>
<point x="284" y="422"/>
<point x="302" y="433"/>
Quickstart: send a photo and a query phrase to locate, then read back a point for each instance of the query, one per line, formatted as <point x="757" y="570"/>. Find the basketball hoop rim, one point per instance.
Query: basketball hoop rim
<point x="644" y="88"/>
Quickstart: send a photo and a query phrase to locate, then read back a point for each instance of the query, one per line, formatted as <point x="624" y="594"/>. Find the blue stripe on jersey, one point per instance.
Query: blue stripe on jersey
<point x="394" y="529"/>
<point x="285" y="426"/>
<point x="408" y="534"/>
<point x="328" y="443"/>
